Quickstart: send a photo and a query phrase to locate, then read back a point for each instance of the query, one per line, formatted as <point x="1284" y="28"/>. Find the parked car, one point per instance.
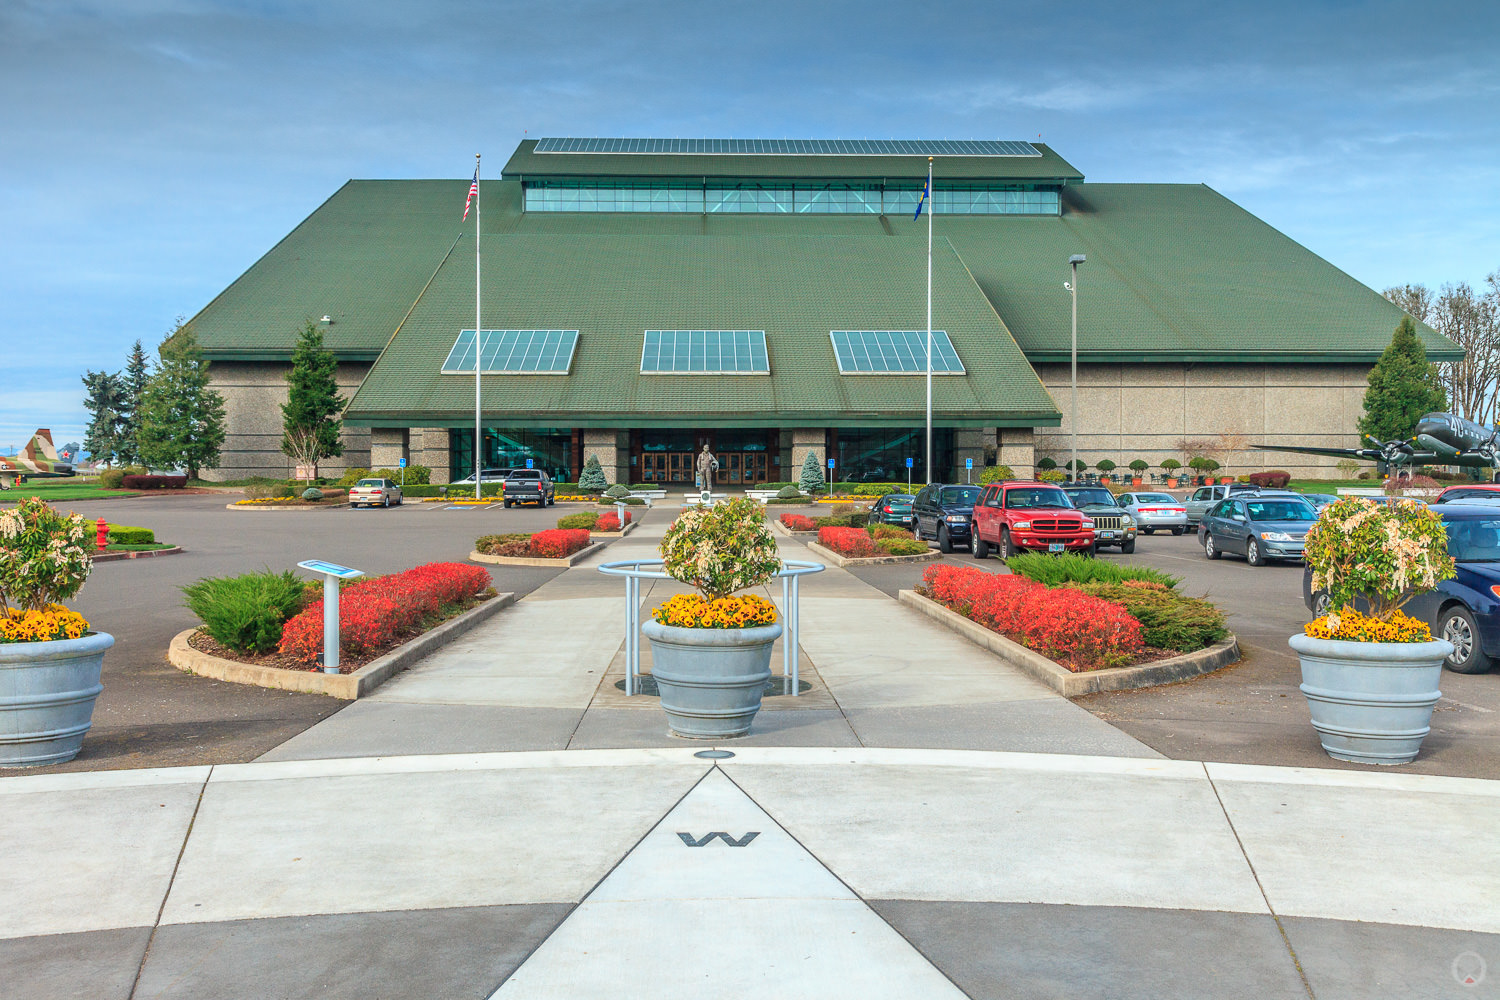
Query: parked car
<point x="1319" y="500"/>
<point x="489" y="476"/>
<point x="893" y="508"/>
<point x="1261" y="529"/>
<point x="1018" y="514"/>
<point x="942" y="511"/>
<point x="1205" y="497"/>
<point x="1113" y="524"/>
<point x="1469" y="491"/>
<point x="374" y="492"/>
<point x="528" y="486"/>
<point x="1466" y="609"/>
<point x="1156" y="511"/>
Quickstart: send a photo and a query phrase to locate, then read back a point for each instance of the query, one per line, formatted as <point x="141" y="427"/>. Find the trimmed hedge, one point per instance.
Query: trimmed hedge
<point x="585" y="519"/>
<point x="883" y="531"/>
<point x="122" y="534"/>
<point x="154" y="482"/>
<point x="611" y="522"/>
<point x="901" y="545"/>
<point x="850" y="542"/>
<point x="609" y="501"/>
<point x="112" y="479"/>
<point x="797" y="522"/>
<point x="1168" y="619"/>
<point x="1070" y="567"/>
<point x="559" y="543"/>
<point x="1272" y="479"/>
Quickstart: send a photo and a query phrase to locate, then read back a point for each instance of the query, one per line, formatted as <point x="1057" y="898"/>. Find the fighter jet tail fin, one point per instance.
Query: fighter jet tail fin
<point x="41" y="446"/>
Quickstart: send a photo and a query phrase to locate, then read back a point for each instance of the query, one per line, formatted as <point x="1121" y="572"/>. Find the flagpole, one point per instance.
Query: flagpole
<point x="929" y="318"/>
<point x="478" y="326"/>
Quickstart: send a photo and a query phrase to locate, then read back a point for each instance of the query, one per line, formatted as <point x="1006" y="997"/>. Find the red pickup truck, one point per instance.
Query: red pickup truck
<point x="1017" y="515"/>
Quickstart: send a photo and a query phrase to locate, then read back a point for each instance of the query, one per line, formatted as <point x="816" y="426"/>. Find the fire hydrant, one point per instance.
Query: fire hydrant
<point x="101" y="534"/>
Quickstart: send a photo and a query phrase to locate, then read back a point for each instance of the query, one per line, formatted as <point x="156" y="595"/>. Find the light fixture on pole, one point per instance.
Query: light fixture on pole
<point x="1072" y="287"/>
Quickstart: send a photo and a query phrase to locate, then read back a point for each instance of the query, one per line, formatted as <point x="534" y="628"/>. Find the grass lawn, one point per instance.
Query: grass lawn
<point x="116" y="547"/>
<point x="62" y="490"/>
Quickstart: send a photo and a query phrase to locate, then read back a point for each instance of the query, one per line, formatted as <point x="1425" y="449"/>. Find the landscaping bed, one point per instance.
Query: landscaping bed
<point x="553" y="547"/>
<point x="597" y="523"/>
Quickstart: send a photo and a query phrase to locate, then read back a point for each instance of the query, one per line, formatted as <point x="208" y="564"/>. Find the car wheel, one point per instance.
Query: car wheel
<point x="1092" y="552"/>
<point x="1147" y="531"/>
<point x="1457" y="625"/>
<point x="1253" y="555"/>
<point x="1007" y="548"/>
<point x="1177" y="531"/>
<point x="979" y="547"/>
<point x="1209" y="548"/>
<point x="507" y="504"/>
<point x="945" y="544"/>
<point x="1127" y="547"/>
<point x="916" y="530"/>
<point x="1322" y="603"/>
<point x="385" y="502"/>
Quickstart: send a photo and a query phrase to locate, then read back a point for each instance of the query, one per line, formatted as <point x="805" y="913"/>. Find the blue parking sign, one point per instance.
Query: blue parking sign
<point x="830" y="463"/>
<point x="909" y="463"/>
<point x="403" y="463"/>
<point x="968" y="463"/>
<point x="528" y="463"/>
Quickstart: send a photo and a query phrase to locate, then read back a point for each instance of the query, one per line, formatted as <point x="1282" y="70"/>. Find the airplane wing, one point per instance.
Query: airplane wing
<point x="1368" y="454"/>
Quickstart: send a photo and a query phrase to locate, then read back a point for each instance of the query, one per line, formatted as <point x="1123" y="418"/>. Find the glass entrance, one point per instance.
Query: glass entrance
<point x="671" y="456"/>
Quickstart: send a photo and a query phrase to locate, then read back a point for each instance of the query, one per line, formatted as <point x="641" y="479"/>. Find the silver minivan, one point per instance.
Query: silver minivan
<point x="1205" y="497"/>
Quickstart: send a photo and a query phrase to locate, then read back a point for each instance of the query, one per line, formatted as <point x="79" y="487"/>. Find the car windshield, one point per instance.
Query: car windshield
<point x="1474" y="541"/>
<point x="525" y="474"/>
<point x="1024" y="498"/>
<point x="958" y="496"/>
<point x="1155" y="498"/>
<point x="370" y="482"/>
<point x="1280" y="510"/>
<point x="1080" y="497"/>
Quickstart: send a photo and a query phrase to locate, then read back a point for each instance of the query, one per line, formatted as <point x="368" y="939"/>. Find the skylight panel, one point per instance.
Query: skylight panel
<point x="704" y="352"/>
<point x="893" y="352"/>
<point x="513" y="352"/>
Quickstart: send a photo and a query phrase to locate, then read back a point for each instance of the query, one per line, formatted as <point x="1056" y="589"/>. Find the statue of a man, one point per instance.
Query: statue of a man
<point x="706" y="466"/>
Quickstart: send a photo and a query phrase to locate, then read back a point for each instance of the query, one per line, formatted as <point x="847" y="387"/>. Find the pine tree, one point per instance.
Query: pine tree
<point x="592" y="479"/>
<point x="181" y="423"/>
<point x="133" y="384"/>
<point x="310" y="417"/>
<point x="811" y="480"/>
<point x="106" y="398"/>
<point x="1403" y="386"/>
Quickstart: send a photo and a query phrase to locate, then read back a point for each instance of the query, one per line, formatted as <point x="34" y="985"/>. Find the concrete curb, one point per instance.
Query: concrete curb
<point x="614" y="534"/>
<point x="1064" y="681"/>
<point x="480" y="557"/>
<point x="142" y="554"/>
<point x="253" y="506"/>
<point x="346" y="686"/>
<point x="839" y="560"/>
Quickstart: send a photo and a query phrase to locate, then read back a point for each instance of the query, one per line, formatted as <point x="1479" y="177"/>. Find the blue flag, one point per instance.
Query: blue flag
<point x="922" y="200"/>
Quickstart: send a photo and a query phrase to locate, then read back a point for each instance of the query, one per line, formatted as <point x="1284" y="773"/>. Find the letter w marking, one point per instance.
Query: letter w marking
<point x="690" y="841"/>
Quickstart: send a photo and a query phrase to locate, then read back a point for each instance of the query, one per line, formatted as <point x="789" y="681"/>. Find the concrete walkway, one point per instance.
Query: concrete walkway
<point x="878" y="836"/>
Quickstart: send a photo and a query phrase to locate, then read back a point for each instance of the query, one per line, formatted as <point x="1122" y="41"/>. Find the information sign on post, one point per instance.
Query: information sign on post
<point x="403" y="473"/>
<point x="830" y="477"/>
<point x="909" y="464"/>
<point x="968" y="469"/>
<point x="528" y="463"/>
<point x="332" y="574"/>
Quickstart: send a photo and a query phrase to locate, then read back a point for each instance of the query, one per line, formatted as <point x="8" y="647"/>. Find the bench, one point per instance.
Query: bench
<point x="762" y="495"/>
<point x="696" y="500"/>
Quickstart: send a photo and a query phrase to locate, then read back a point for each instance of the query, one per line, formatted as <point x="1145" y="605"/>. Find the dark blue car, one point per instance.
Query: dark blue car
<point x="944" y="512"/>
<point x="1466" y="609"/>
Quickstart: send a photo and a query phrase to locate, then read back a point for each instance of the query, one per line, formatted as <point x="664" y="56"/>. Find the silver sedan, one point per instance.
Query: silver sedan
<point x="1155" y="512"/>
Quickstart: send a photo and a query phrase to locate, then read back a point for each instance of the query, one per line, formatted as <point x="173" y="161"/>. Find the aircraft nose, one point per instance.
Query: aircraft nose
<point x="1431" y="425"/>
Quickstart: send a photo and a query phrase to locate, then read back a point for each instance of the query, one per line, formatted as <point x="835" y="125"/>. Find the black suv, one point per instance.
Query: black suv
<point x="528" y="486"/>
<point x="944" y="511"/>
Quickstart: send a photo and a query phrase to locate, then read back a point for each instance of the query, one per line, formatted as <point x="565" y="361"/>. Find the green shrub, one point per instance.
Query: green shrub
<point x="592" y="480"/>
<point x="627" y="501"/>
<point x="488" y="544"/>
<point x="112" y="479"/>
<point x="1105" y="466"/>
<point x="312" y="493"/>
<point x="416" y="475"/>
<point x="879" y="531"/>
<point x="246" y="613"/>
<point x="1046" y="464"/>
<point x="788" y="493"/>
<point x="618" y="490"/>
<point x="123" y="534"/>
<point x="811" y="479"/>
<point x="1051" y="476"/>
<point x="583" y="519"/>
<point x="1168" y="619"/>
<point x="265" y="491"/>
<point x="995" y="474"/>
<point x="1139" y="465"/>
<point x="1070" y="567"/>
<point x="903" y="545"/>
<point x="352" y="476"/>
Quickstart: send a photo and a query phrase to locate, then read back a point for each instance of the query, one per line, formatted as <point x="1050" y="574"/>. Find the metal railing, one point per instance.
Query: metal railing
<point x="634" y="571"/>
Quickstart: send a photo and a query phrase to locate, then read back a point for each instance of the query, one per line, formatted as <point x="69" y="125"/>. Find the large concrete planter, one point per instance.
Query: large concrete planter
<point x="47" y="692"/>
<point x="1371" y="702"/>
<point x="710" y="679"/>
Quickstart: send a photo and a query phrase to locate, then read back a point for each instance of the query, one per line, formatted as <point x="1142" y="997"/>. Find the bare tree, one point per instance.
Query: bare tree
<point x="1414" y="300"/>
<point x="1472" y="321"/>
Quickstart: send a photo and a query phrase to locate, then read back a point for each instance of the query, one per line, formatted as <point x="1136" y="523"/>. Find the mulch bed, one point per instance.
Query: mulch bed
<point x="348" y="662"/>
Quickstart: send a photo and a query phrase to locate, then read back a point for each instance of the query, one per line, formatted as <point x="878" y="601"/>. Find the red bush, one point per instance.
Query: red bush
<point x="154" y="482"/>
<point x="609" y="522"/>
<point x="1274" y="479"/>
<point x="852" y="542"/>
<point x="797" y="522"/>
<point x="1078" y="630"/>
<point x="375" y="613"/>
<point x="559" y="543"/>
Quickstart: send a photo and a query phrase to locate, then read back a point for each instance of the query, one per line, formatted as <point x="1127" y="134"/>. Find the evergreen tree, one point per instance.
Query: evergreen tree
<point x="1403" y="386"/>
<point x="811" y="480"/>
<point x="133" y="384"/>
<point x="181" y="422"/>
<point x="592" y="479"/>
<point x="310" y="417"/>
<point x="105" y="400"/>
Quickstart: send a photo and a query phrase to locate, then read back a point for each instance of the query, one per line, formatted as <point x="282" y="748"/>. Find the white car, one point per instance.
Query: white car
<point x="490" y="476"/>
<point x="374" y="493"/>
<point x="1155" y="511"/>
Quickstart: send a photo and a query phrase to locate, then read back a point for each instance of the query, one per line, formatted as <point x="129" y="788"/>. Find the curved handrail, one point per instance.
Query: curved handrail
<point x="789" y="567"/>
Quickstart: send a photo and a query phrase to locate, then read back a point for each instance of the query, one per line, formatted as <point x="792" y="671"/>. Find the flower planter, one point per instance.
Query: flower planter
<point x="710" y="679"/>
<point x="1371" y="702"/>
<point x="47" y="692"/>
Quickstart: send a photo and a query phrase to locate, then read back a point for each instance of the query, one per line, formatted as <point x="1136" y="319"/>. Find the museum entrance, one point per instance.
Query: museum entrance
<point x="669" y="457"/>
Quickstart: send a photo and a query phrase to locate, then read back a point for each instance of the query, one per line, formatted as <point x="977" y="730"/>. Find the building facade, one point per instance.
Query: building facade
<point x="640" y="299"/>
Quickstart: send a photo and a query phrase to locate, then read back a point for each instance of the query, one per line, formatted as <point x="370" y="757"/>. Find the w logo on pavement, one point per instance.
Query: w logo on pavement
<point x="689" y="841"/>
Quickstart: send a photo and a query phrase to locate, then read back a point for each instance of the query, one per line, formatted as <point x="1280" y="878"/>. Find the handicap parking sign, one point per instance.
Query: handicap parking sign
<point x="909" y="463"/>
<point x="528" y="463"/>
<point x="403" y="463"/>
<point x="968" y="463"/>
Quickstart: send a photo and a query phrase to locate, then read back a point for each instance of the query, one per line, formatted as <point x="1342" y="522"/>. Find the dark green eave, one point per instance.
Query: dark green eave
<point x="527" y="162"/>
<point x="623" y="421"/>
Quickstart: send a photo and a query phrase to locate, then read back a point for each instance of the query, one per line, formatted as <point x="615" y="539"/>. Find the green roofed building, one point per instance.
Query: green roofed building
<point x="642" y="298"/>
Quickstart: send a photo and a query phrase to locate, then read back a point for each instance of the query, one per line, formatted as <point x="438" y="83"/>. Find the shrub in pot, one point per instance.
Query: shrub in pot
<point x="49" y="660"/>
<point x="1138" y="468"/>
<point x="711" y="651"/>
<point x="1369" y="672"/>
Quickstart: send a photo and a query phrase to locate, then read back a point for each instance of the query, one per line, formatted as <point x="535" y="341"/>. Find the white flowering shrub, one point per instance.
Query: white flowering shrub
<point x="44" y="557"/>
<point x="721" y="549"/>
<point x="1384" y="553"/>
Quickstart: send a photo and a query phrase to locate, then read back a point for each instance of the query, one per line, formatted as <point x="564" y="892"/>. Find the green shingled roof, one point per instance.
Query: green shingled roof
<point x="526" y="162"/>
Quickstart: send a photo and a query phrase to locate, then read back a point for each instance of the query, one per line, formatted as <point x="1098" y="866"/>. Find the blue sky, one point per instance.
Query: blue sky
<point x="154" y="149"/>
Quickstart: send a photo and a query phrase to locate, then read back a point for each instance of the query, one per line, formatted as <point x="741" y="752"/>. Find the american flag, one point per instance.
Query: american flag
<point x="473" y="193"/>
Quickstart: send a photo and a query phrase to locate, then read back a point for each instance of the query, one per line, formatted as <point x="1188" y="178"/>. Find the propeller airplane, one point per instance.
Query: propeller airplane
<point x="38" y="460"/>
<point x="1441" y="439"/>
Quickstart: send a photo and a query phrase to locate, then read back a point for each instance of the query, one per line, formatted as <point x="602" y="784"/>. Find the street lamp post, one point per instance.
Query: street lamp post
<point x="1072" y="286"/>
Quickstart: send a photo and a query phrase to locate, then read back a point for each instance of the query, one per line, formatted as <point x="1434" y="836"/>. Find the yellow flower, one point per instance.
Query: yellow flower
<point x="1350" y="625"/>
<point x="52" y="622"/>
<point x="692" y="611"/>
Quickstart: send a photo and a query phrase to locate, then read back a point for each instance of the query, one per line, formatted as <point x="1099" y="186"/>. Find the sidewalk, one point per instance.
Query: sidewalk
<point x="876" y="837"/>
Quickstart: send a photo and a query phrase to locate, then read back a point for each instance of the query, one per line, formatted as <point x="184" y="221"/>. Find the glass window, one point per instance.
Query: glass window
<point x="959" y="496"/>
<point x="858" y="197"/>
<point x="1154" y="498"/>
<point x="1474" y="541"/>
<point x="879" y="454"/>
<point x="1280" y="510"/>
<point x="1028" y="497"/>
